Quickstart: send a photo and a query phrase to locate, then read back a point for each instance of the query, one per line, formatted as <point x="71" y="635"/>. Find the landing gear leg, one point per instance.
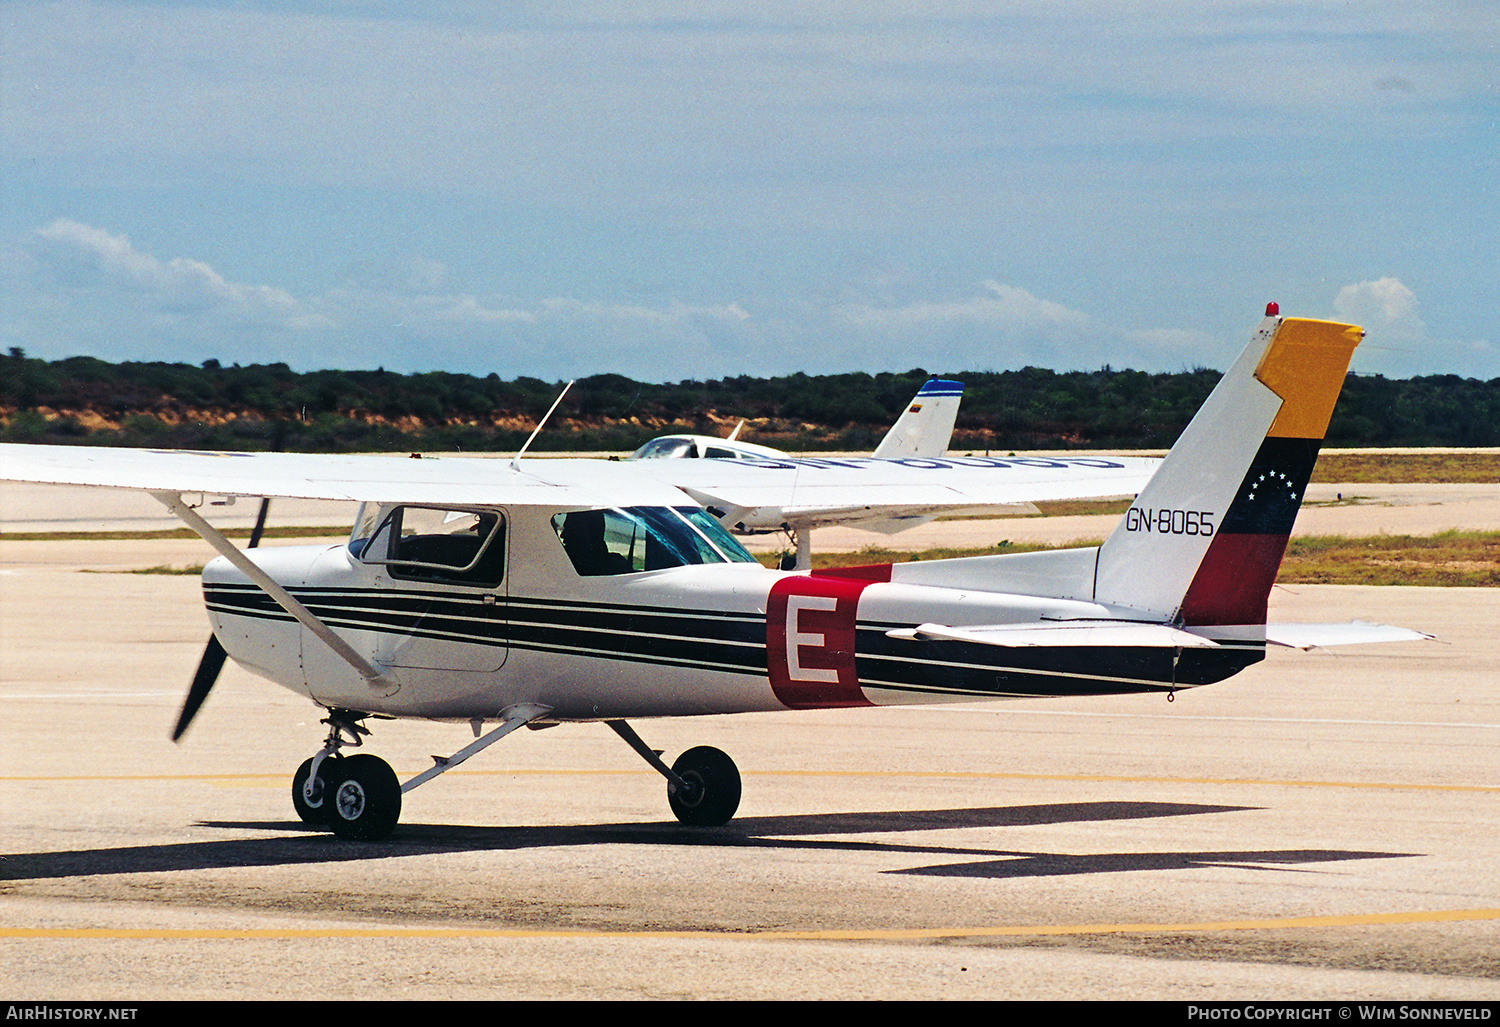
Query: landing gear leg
<point x="358" y="797"/>
<point x="801" y="540"/>
<point x="703" y="786"/>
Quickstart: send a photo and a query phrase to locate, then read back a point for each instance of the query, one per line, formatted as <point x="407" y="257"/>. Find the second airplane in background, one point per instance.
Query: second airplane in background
<point x="924" y="428"/>
<point x="916" y="482"/>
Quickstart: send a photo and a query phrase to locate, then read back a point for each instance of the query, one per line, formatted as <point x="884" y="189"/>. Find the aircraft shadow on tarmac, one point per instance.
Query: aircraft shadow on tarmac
<point x="787" y="832"/>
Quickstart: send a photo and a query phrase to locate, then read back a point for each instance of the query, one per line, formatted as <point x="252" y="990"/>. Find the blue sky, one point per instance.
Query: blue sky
<point x="677" y="191"/>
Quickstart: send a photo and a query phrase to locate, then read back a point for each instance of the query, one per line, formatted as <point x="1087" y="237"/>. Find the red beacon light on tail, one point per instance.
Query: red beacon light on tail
<point x="1273" y="309"/>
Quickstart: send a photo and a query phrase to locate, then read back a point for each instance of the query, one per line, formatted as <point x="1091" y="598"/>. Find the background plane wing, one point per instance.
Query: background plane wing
<point x="813" y="491"/>
<point x="363" y="478"/>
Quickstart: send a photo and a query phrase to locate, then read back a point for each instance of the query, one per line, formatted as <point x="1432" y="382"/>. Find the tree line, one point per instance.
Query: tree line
<point x="270" y="406"/>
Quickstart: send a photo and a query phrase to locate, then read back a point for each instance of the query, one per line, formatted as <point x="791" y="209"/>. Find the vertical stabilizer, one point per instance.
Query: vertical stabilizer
<point x="1203" y="541"/>
<point x="926" y="426"/>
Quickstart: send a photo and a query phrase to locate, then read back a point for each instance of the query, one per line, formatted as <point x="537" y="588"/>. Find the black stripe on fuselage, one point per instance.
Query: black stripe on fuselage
<point x="661" y="635"/>
<point x="736" y="642"/>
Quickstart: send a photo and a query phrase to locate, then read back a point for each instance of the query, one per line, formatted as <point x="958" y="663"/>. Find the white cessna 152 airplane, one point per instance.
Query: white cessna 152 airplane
<point x="509" y="595"/>
<point x="924" y="428"/>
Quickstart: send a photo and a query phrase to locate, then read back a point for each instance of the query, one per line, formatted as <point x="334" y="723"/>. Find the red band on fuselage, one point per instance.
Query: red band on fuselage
<point x="810" y="642"/>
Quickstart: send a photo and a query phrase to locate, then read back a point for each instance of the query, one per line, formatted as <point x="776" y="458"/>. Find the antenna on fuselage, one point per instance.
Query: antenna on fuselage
<point x="515" y="461"/>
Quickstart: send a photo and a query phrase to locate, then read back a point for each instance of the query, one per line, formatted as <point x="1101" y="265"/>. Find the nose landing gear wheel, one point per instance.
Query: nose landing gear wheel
<point x="361" y="798"/>
<point x="713" y="792"/>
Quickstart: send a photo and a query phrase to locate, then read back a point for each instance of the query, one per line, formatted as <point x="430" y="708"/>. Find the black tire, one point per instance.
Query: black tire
<point x="713" y="792"/>
<point x="314" y="812"/>
<point x="363" y="798"/>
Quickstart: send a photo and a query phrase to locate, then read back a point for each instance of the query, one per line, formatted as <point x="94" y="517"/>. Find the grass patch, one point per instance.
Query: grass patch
<point x="160" y="568"/>
<point x="1343" y="500"/>
<point x="1448" y="559"/>
<point x="1408" y="468"/>
<point x="1081" y="507"/>
<point x="1053" y="508"/>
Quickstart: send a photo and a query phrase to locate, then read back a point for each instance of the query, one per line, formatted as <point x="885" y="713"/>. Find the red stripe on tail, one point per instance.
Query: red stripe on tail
<point x="1234" y="580"/>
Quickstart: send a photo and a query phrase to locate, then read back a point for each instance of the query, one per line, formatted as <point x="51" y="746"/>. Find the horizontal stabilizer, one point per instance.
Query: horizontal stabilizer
<point x="1313" y="636"/>
<point x="1090" y="633"/>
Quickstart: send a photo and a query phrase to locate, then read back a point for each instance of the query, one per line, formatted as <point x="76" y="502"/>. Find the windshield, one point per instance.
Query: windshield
<point x="665" y="449"/>
<point x="644" y="538"/>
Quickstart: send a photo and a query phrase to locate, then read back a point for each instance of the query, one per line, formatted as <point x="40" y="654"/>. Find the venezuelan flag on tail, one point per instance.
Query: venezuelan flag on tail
<point x="1202" y="543"/>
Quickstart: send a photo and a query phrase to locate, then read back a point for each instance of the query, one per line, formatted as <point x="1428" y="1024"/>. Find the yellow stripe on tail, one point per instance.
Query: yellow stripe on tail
<point x="1305" y="365"/>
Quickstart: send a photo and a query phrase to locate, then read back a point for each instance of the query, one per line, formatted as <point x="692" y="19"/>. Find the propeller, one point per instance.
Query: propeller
<point x="213" y="653"/>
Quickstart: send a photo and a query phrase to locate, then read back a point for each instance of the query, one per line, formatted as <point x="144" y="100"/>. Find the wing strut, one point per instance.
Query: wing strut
<point x="511" y="718"/>
<point x="373" y="676"/>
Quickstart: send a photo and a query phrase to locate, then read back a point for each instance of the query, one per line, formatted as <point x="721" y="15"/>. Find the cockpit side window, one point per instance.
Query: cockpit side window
<point x="599" y="542"/>
<point x="422" y="543"/>
<point x="643" y="538"/>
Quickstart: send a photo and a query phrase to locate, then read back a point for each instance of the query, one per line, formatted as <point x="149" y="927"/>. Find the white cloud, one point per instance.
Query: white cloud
<point x="96" y="292"/>
<point x="675" y="313"/>
<point x="1387" y="310"/>
<point x="1384" y="301"/>
<point x="467" y="308"/>
<point x="1397" y="340"/>
<point x="82" y="256"/>
<point x="1003" y="304"/>
<point x="71" y="287"/>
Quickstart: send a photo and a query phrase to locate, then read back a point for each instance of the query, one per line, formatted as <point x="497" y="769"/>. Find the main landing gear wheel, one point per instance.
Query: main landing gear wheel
<point x="362" y="798"/>
<point x="313" y="811"/>
<point x="713" y="787"/>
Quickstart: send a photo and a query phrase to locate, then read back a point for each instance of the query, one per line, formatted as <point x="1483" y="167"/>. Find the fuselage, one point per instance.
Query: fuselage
<point x="519" y="623"/>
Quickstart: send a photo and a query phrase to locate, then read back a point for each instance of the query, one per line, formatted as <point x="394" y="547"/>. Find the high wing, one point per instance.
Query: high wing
<point x="457" y="481"/>
<point x="761" y="494"/>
